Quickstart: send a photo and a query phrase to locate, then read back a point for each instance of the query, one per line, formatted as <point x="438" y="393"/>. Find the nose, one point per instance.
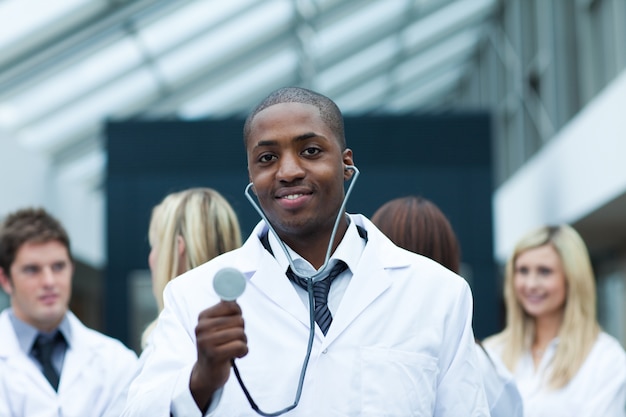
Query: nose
<point x="532" y="280"/>
<point x="290" y="168"/>
<point x="47" y="276"/>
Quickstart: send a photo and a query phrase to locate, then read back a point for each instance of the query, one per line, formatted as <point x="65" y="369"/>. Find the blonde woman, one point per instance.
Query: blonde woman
<point x="563" y="363"/>
<point x="187" y="229"/>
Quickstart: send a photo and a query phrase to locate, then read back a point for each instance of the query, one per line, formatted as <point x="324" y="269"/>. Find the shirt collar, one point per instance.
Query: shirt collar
<point x="349" y="250"/>
<point x="26" y="333"/>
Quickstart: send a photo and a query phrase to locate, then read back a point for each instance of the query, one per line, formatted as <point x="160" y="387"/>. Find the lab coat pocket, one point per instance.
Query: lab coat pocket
<point x="397" y="383"/>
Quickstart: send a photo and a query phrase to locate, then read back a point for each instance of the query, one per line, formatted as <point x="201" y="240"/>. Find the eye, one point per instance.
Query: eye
<point x="311" y="151"/>
<point x="544" y="271"/>
<point x="267" y="157"/>
<point x="58" y="266"/>
<point x="522" y="270"/>
<point x="31" y="269"/>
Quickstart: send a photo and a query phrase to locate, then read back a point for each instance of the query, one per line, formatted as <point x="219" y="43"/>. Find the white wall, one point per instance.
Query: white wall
<point x="22" y="176"/>
<point x="28" y="178"/>
<point x="580" y="170"/>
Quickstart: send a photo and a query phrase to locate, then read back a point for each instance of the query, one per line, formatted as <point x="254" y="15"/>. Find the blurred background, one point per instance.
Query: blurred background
<point x="536" y="89"/>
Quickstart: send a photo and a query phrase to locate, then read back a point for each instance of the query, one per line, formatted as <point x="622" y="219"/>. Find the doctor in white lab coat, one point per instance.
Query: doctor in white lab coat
<point x="96" y="369"/>
<point x="92" y="370"/>
<point x="400" y="342"/>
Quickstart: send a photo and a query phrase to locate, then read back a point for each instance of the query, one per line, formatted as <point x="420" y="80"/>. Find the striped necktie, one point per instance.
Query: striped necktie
<point x="322" y="314"/>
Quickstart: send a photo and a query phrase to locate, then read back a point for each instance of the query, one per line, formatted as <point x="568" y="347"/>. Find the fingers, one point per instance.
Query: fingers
<point x="220" y="334"/>
<point x="220" y="337"/>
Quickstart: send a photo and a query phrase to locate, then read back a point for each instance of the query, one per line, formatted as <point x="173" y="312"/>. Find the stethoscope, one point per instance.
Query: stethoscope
<point x="310" y="278"/>
<point x="321" y="273"/>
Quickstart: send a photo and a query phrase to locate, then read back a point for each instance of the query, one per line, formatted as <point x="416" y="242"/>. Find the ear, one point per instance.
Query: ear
<point x="250" y="181"/>
<point x="347" y="161"/>
<point x="180" y="242"/>
<point x="5" y="281"/>
<point x="181" y="249"/>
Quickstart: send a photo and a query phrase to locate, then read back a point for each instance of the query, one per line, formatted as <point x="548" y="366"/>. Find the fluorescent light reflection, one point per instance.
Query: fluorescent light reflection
<point x="357" y="64"/>
<point x="23" y="23"/>
<point x="189" y="22"/>
<point x="365" y="97"/>
<point x="422" y="96"/>
<point x="84" y="117"/>
<point x="85" y="76"/>
<point x="356" y="26"/>
<point x="225" y="97"/>
<point x="213" y="48"/>
<point x="449" y="52"/>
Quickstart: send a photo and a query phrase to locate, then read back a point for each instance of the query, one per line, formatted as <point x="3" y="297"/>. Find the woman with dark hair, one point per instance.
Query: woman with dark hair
<point x="416" y="224"/>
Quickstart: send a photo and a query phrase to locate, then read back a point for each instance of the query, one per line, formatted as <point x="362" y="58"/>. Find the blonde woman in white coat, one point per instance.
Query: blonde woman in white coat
<point x="563" y="363"/>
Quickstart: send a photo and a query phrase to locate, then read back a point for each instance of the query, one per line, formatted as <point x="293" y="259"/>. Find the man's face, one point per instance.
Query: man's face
<point x="298" y="169"/>
<point x="40" y="284"/>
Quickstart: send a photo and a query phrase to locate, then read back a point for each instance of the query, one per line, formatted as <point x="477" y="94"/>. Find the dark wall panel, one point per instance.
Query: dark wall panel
<point x="445" y="158"/>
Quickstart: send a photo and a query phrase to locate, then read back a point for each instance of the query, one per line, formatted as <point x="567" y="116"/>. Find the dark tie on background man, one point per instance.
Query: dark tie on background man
<point x="322" y="314"/>
<point x="42" y="350"/>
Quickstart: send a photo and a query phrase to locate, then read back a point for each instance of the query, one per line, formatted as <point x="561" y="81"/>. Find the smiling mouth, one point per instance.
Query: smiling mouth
<point x="535" y="298"/>
<point x="292" y="196"/>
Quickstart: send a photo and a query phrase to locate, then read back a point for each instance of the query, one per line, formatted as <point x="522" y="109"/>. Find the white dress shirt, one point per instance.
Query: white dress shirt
<point x="597" y="390"/>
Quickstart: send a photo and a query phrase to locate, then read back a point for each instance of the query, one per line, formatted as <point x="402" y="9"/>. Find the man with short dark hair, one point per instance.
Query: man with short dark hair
<point x="50" y="363"/>
<point x="392" y="333"/>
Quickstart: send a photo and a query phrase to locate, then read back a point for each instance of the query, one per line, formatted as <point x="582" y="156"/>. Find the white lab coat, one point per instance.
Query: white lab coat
<point x="400" y="344"/>
<point x="502" y="394"/>
<point x="597" y="390"/>
<point x="96" y="370"/>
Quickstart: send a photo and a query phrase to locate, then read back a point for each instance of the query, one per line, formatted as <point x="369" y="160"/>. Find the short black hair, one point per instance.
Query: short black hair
<point x="329" y="112"/>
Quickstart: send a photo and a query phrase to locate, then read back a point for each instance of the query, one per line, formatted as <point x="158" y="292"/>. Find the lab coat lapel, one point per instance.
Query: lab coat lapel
<point x="368" y="282"/>
<point x="80" y="353"/>
<point x="15" y="360"/>
<point x="272" y="282"/>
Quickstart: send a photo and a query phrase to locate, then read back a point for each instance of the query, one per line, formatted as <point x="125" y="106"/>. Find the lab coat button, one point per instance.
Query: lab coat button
<point x="325" y="351"/>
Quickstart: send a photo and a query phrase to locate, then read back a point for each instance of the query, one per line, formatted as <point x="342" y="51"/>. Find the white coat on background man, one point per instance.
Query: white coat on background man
<point x="96" y="369"/>
<point x="400" y="344"/>
<point x="88" y="372"/>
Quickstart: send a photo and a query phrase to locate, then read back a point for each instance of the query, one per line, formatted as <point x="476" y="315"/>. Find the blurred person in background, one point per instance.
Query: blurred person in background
<point x="188" y="228"/>
<point x="418" y="225"/>
<point x="50" y="363"/>
<point x="562" y="361"/>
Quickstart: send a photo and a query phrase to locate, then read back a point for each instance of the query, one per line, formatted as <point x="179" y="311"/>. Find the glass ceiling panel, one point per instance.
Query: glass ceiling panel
<point x="212" y="48"/>
<point x="20" y="19"/>
<point x="343" y="72"/>
<point x="86" y="76"/>
<point x="358" y="25"/>
<point x="424" y="95"/>
<point x="234" y="95"/>
<point x="202" y="57"/>
<point x="189" y="22"/>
